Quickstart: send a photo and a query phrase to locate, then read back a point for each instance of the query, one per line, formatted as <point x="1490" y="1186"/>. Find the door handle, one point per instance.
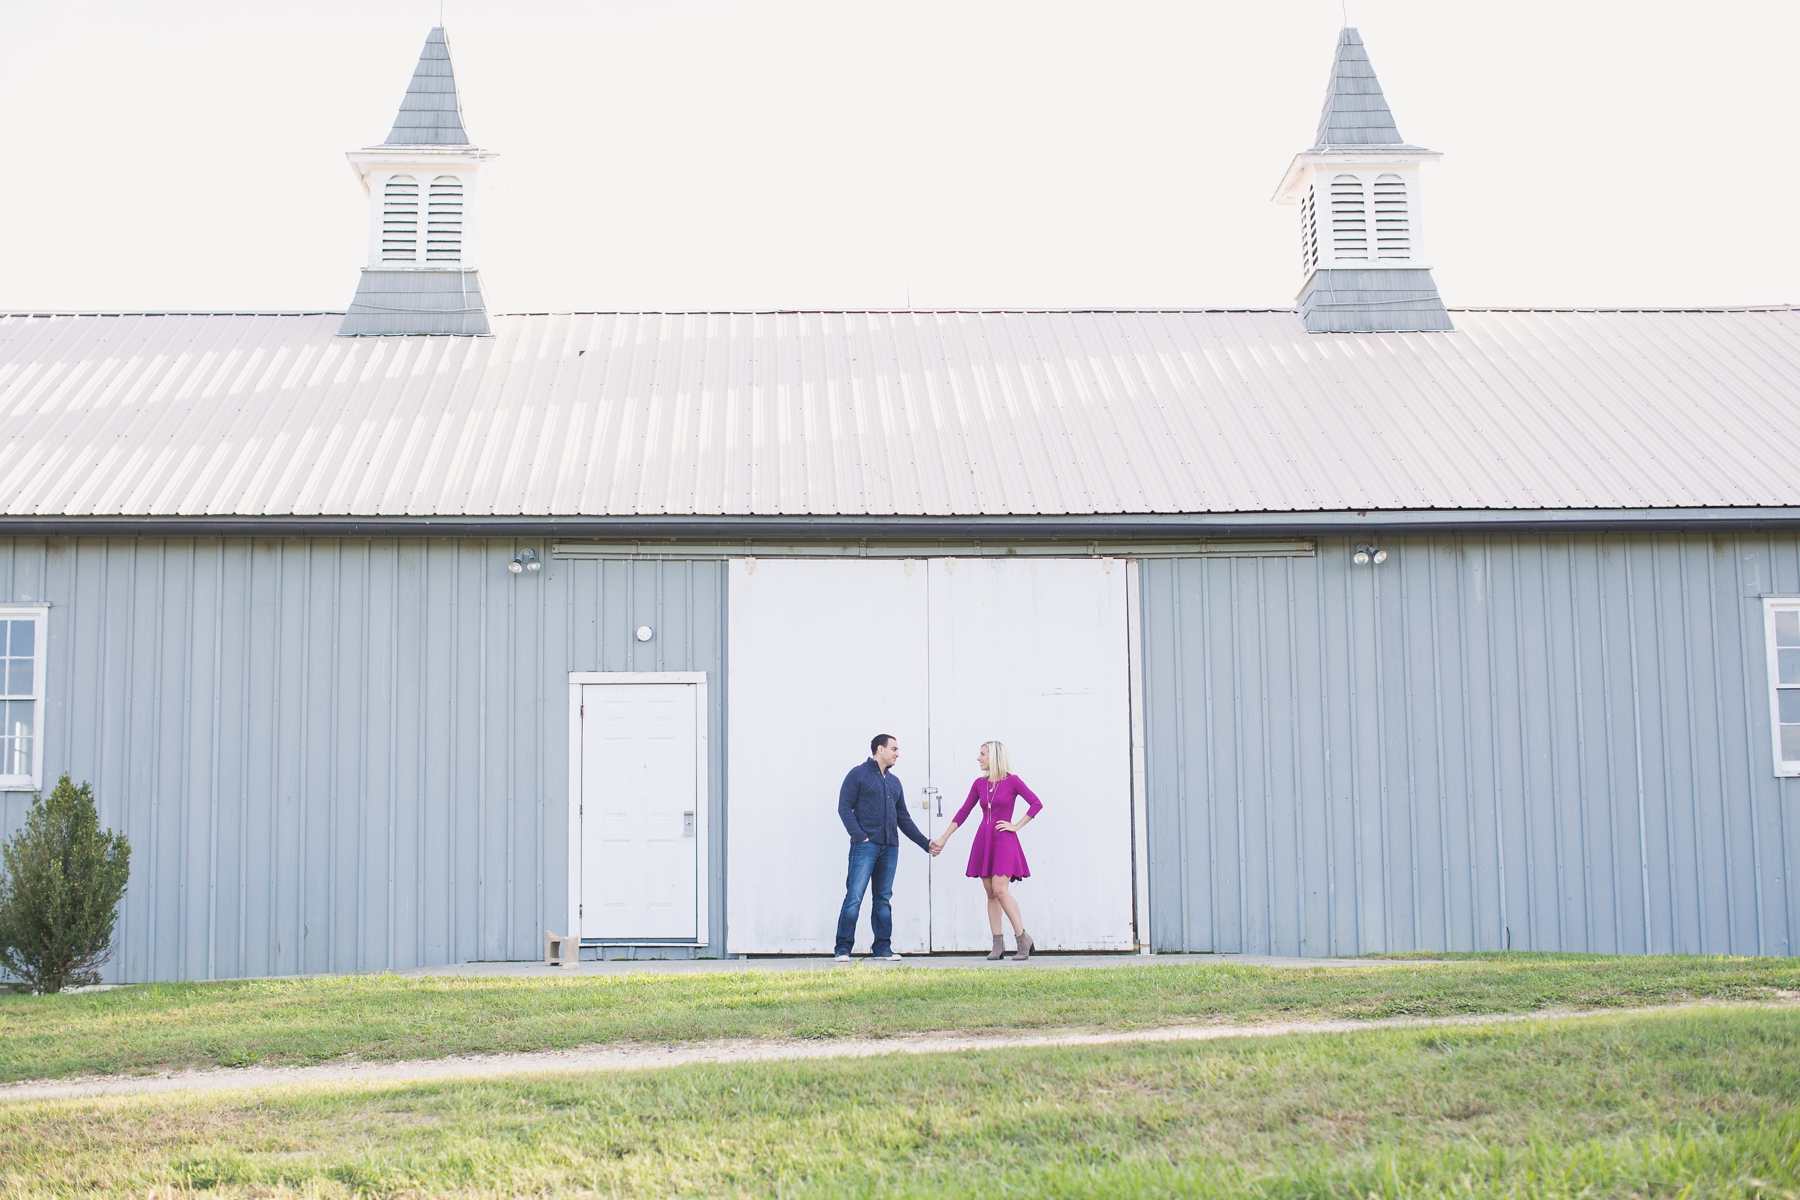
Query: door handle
<point x="929" y="793"/>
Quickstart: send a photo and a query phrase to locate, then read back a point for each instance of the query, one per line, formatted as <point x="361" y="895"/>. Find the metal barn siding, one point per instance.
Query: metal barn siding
<point x="1549" y="742"/>
<point x="340" y="754"/>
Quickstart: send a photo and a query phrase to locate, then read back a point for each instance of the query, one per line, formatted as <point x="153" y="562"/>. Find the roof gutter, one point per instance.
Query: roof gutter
<point x="1078" y="528"/>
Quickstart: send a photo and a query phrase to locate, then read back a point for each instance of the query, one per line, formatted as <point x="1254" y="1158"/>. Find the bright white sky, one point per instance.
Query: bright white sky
<point x="680" y="154"/>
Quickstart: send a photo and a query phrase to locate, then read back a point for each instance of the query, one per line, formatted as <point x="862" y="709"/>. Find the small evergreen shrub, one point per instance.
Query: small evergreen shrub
<point x="61" y="879"/>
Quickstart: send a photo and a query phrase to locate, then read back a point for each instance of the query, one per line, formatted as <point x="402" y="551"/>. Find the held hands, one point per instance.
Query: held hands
<point x="936" y="847"/>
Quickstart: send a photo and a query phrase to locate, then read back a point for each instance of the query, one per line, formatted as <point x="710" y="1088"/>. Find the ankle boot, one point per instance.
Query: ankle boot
<point x="999" y="950"/>
<point x="1024" y="951"/>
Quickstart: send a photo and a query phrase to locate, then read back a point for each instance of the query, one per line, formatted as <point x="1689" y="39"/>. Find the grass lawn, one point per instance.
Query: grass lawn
<point x="385" y="1017"/>
<point x="1695" y="1103"/>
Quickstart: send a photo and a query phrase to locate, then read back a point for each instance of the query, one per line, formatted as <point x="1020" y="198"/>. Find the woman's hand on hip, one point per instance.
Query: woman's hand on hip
<point x="1007" y="826"/>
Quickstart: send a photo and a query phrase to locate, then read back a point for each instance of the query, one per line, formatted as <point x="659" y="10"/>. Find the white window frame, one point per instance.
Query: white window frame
<point x="41" y="614"/>
<point x="1784" y="768"/>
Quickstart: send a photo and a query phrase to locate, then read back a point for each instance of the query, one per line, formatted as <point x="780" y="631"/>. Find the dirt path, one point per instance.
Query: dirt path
<point x="640" y="1057"/>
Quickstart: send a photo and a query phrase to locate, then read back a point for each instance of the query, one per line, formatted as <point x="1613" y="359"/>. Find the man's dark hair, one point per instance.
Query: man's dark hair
<point x="879" y="740"/>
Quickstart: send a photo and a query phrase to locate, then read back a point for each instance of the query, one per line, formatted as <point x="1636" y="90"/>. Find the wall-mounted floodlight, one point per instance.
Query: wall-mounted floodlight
<point x="1366" y="554"/>
<point x="526" y="561"/>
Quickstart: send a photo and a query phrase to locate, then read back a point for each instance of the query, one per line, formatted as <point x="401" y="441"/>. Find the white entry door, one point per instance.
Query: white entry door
<point x="640" y="811"/>
<point x="824" y="655"/>
<point x="1034" y="653"/>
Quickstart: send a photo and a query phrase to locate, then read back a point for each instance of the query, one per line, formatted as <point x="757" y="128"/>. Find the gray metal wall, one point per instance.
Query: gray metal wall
<point x="350" y="754"/>
<point x="341" y="754"/>
<point x="1556" y="742"/>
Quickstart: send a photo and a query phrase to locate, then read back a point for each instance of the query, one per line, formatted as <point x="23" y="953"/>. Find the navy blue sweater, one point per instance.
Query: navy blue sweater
<point x="872" y="803"/>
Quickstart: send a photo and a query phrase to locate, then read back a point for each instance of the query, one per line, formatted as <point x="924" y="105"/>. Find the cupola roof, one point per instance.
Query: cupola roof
<point x="1355" y="112"/>
<point x="431" y="113"/>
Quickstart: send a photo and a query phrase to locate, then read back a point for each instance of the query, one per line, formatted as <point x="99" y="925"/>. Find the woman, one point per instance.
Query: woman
<point x="996" y="858"/>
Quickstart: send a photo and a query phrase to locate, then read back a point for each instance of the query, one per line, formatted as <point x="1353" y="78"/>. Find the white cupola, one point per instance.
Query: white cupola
<point x="421" y="183"/>
<point x="1363" y="264"/>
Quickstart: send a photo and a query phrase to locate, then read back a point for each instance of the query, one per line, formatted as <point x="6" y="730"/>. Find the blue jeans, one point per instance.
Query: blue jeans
<point x="874" y="864"/>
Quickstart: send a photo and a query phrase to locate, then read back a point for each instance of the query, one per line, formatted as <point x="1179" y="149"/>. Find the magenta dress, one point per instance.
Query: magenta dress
<point x="997" y="851"/>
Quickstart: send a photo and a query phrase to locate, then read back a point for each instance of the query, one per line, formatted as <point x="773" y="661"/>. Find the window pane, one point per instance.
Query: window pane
<point x="1788" y="666"/>
<point x="1787" y="627"/>
<point x="18" y="677"/>
<point x="1790" y="743"/>
<point x="15" y="737"/>
<point x="23" y="640"/>
<point x="1790" y="706"/>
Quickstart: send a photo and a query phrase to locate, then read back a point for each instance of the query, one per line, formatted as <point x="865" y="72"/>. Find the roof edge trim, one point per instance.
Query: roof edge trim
<point x="46" y="313"/>
<point x="1068" y="529"/>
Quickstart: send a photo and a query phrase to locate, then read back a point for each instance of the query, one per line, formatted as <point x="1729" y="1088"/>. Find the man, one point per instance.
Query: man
<point x="871" y="805"/>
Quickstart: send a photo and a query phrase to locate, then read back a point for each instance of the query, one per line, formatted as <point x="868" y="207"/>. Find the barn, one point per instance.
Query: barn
<point x="404" y="635"/>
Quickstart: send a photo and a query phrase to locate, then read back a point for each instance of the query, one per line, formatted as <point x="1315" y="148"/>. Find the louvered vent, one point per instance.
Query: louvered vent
<point x="400" y="220"/>
<point x="1393" y="237"/>
<point x="1309" y="234"/>
<point x="1349" y="219"/>
<point x="443" y="220"/>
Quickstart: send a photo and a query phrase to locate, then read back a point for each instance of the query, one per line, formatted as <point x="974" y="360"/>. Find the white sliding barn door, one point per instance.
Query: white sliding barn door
<point x="640" y="811"/>
<point x="823" y="655"/>
<point x="1034" y="653"/>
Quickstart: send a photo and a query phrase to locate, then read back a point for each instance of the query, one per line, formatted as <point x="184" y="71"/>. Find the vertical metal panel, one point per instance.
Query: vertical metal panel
<point x="340" y="755"/>
<point x="1544" y="742"/>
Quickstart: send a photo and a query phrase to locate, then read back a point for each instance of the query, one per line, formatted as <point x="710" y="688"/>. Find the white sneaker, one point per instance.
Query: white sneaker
<point x="843" y="958"/>
<point x="895" y="957"/>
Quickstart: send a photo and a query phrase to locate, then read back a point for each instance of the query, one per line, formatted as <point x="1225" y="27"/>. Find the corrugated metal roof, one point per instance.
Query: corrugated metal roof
<point x="904" y="413"/>
<point x="430" y="112"/>
<point x="1355" y="112"/>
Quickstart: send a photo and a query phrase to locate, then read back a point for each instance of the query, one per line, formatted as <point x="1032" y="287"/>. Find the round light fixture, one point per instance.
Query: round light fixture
<point x="1360" y="558"/>
<point x="1380" y="557"/>
<point x="643" y="633"/>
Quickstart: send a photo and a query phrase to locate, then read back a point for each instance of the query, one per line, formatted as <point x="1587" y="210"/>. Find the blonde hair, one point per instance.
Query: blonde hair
<point x="999" y="765"/>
